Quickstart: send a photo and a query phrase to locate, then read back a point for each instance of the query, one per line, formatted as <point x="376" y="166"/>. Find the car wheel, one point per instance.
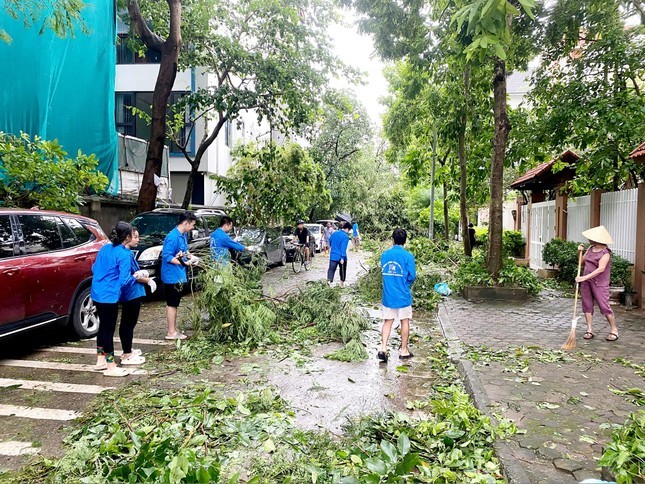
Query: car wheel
<point x="283" y="259"/>
<point x="85" y="319"/>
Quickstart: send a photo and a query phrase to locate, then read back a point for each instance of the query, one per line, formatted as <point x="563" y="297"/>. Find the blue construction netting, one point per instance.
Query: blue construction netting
<point x="63" y="88"/>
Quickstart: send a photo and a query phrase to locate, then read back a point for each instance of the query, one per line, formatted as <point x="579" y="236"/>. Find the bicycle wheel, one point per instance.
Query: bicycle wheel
<point x="296" y="263"/>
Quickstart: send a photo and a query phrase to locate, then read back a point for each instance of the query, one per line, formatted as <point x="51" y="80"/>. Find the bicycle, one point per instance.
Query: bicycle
<point x="299" y="259"/>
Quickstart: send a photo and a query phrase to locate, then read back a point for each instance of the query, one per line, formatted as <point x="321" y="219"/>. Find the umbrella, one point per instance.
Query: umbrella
<point x="344" y="217"/>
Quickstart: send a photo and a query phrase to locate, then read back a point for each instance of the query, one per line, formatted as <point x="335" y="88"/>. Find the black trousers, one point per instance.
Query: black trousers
<point x="108" y="314"/>
<point x="331" y="272"/>
<point x="129" y="317"/>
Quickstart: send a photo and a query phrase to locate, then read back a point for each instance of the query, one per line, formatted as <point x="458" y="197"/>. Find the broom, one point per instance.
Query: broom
<point x="571" y="340"/>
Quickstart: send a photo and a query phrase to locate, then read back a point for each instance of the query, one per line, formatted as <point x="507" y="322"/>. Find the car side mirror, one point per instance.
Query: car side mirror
<point x="269" y="239"/>
<point x="194" y="234"/>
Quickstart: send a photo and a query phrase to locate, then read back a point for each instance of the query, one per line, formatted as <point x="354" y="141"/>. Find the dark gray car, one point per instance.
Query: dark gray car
<point x="266" y="242"/>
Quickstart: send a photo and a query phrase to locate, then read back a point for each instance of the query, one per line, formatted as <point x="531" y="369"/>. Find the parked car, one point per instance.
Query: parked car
<point x="266" y="242"/>
<point x="46" y="262"/>
<point x="155" y="225"/>
<point x="316" y="232"/>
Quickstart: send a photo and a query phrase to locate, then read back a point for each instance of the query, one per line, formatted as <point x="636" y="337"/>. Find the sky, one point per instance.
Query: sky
<point x="358" y="51"/>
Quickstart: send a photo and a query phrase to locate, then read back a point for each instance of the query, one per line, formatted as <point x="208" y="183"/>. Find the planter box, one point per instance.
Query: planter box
<point x="522" y="262"/>
<point x="495" y="293"/>
<point x="547" y="273"/>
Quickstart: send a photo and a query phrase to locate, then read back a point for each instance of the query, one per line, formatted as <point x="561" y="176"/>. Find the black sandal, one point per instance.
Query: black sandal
<point x="609" y="337"/>
<point x="382" y="355"/>
<point x="588" y="332"/>
<point x="405" y="357"/>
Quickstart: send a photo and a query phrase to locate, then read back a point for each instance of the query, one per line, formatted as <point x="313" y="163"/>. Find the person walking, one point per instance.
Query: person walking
<point x="130" y="299"/>
<point x="174" y="260"/>
<point x="328" y="230"/>
<point x="111" y="275"/>
<point x="356" y="236"/>
<point x="398" y="270"/>
<point x="594" y="283"/>
<point x="221" y="242"/>
<point x="471" y="236"/>
<point x="338" y="242"/>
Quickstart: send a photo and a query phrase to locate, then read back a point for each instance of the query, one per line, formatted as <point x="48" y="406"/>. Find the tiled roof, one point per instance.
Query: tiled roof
<point x="543" y="170"/>
<point x="639" y="153"/>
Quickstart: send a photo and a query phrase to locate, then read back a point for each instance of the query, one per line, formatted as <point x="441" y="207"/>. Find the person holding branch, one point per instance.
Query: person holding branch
<point x="594" y="283"/>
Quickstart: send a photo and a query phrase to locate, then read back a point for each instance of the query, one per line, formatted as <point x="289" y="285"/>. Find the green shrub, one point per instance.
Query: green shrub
<point x="36" y="172"/>
<point x="474" y="273"/>
<point x="621" y="272"/>
<point x="512" y="241"/>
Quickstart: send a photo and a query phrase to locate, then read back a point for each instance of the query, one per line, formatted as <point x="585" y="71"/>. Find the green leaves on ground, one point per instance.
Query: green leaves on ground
<point x="474" y="273"/>
<point x="231" y="309"/>
<point x="37" y="172"/>
<point x="625" y="455"/>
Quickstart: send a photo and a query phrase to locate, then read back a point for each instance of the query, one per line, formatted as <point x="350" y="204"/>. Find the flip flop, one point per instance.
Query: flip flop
<point x="116" y="371"/>
<point x="588" y="337"/>
<point x="609" y="337"/>
<point x="382" y="355"/>
<point x="177" y="335"/>
<point x="100" y="368"/>
<point x="133" y="360"/>
<point x="405" y="357"/>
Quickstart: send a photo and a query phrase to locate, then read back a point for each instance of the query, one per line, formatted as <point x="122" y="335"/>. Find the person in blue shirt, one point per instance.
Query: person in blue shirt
<point x="398" y="270"/>
<point x="221" y="242"/>
<point x="338" y="242"/>
<point x="130" y="299"/>
<point x="111" y="275"/>
<point x="356" y="236"/>
<point x="174" y="259"/>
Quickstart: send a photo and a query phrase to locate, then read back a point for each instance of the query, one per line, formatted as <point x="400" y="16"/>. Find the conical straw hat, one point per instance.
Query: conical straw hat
<point x="598" y="234"/>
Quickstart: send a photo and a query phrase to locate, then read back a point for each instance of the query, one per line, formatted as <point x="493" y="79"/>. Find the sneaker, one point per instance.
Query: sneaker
<point x="133" y="360"/>
<point x="116" y="371"/>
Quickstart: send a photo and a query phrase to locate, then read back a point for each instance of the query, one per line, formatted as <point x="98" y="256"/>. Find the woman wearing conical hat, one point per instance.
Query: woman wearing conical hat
<point x="594" y="283"/>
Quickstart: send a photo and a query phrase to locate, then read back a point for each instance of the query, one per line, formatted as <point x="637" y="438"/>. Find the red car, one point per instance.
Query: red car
<point x="46" y="270"/>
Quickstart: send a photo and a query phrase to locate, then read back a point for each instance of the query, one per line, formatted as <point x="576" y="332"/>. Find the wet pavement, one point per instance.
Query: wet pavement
<point x="46" y="377"/>
<point x="564" y="405"/>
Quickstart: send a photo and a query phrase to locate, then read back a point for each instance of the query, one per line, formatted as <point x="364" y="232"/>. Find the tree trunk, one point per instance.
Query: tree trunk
<point x="446" y="220"/>
<point x="463" y="209"/>
<point x="502" y="127"/>
<point x="190" y="185"/>
<point x="196" y="161"/>
<point x="169" y="50"/>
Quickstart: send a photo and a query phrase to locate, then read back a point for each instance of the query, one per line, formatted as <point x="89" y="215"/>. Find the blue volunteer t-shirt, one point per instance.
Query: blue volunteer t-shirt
<point x="111" y="273"/>
<point x="135" y="290"/>
<point x="355" y="230"/>
<point x="338" y="245"/>
<point x="399" y="272"/>
<point x="221" y="242"/>
<point x="174" y="242"/>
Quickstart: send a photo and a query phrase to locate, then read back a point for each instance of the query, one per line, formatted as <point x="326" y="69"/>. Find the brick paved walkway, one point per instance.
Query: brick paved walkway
<point x="565" y="407"/>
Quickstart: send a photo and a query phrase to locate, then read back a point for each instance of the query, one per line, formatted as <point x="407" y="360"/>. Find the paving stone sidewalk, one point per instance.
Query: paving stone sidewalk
<point x="565" y="407"/>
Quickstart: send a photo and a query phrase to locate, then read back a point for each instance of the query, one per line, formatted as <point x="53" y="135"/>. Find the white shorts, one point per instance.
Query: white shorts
<point x="400" y="313"/>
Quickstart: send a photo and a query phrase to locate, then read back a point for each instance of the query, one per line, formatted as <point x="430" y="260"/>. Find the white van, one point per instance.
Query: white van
<point x="316" y="231"/>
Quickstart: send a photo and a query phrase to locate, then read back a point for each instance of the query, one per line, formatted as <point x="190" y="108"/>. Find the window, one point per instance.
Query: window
<point x="228" y="134"/>
<point x="128" y="124"/>
<point x="122" y="114"/>
<point x="74" y="233"/>
<point x="6" y="237"/>
<point x="125" y="55"/>
<point x="40" y="233"/>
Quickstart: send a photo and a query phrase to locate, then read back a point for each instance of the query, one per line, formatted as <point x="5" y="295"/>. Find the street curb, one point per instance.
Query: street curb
<point x="514" y="472"/>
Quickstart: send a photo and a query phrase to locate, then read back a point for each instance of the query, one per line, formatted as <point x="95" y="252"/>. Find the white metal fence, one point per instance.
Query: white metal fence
<point x="618" y="215"/>
<point x="524" y="223"/>
<point x="578" y="211"/>
<point x="542" y="230"/>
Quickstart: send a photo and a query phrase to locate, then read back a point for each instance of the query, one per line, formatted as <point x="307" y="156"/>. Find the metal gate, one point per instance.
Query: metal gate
<point x="542" y="230"/>
<point x="618" y="214"/>
<point x="578" y="218"/>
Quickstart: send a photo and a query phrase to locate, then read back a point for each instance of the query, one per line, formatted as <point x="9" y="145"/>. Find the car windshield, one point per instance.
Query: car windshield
<point x="314" y="229"/>
<point x="155" y="226"/>
<point x="250" y="235"/>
